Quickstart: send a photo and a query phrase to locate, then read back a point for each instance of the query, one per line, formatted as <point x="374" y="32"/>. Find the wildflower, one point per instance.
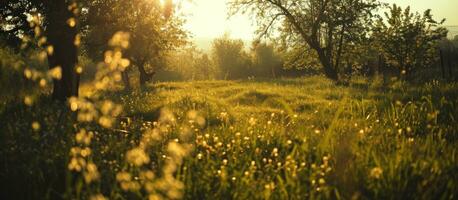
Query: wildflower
<point x="408" y="129"/>
<point x="176" y="150"/>
<point x="107" y="106"/>
<point x="123" y="177"/>
<point x="105" y="121"/>
<point x="154" y="197"/>
<point x="74" y="165"/>
<point x="50" y="50"/>
<point x="376" y="172"/>
<point x="92" y="173"/>
<point x="192" y="114"/>
<point x="36" y="126"/>
<point x="55" y="73"/>
<point x="84" y="137"/>
<point x="97" y="197"/>
<point x="223" y="116"/>
<point x="325" y="158"/>
<point x="43" y="82"/>
<point x="120" y="39"/>
<point x="77" y="41"/>
<point x="219" y="144"/>
<point x="137" y="157"/>
<point x="147" y="175"/>
<point x="75" y="151"/>
<point x="71" y="22"/>
<point x="73" y="105"/>
<point x="42" y="56"/>
<point x="28" y="101"/>
<point x="85" y="152"/>
<point x="28" y="73"/>
<point x="321" y="181"/>
<point x="252" y="121"/>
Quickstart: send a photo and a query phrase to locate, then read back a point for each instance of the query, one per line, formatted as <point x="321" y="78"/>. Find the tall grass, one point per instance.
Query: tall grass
<point x="280" y="139"/>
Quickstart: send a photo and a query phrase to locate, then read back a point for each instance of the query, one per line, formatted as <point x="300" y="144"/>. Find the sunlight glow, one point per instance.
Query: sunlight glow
<point x="209" y="19"/>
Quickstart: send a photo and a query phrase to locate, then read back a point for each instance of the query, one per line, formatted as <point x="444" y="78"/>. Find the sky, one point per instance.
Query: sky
<point x="208" y="19"/>
<point x="440" y="8"/>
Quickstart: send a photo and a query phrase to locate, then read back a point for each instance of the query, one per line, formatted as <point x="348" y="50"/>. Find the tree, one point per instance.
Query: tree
<point x="408" y="40"/>
<point x="266" y="61"/>
<point x="54" y="25"/>
<point x="204" y="68"/>
<point x="326" y="27"/>
<point x="154" y="30"/>
<point x="448" y="52"/>
<point x="230" y="57"/>
<point x="191" y="63"/>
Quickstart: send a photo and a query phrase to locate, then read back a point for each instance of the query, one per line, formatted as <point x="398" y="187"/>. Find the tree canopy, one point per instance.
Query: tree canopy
<point x="326" y="28"/>
<point x="154" y="29"/>
<point x="408" y="40"/>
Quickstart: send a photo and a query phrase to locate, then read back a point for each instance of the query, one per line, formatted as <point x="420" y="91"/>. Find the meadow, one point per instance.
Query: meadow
<point x="302" y="138"/>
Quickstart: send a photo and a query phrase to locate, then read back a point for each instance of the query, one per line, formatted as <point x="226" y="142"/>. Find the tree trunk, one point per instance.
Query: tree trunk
<point x="339" y="53"/>
<point x="328" y="68"/>
<point x="125" y="79"/>
<point x="274" y="75"/>
<point x="442" y="63"/>
<point x="383" y="69"/>
<point x="62" y="36"/>
<point x="450" y="69"/>
<point x="144" y="76"/>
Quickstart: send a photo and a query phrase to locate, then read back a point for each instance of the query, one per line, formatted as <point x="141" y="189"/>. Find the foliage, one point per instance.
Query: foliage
<point x="230" y="57"/>
<point x="267" y="62"/>
<point x="192" y="64"/>
<point x="408" y="40"/>
<point x="155" y="29"/>
<point x="11" y="78"/>
<point x="324" y="29"/>
<point x="51" y="27"/>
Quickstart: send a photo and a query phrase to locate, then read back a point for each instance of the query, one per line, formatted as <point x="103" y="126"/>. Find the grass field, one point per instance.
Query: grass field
<point x="258" y="139"/>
